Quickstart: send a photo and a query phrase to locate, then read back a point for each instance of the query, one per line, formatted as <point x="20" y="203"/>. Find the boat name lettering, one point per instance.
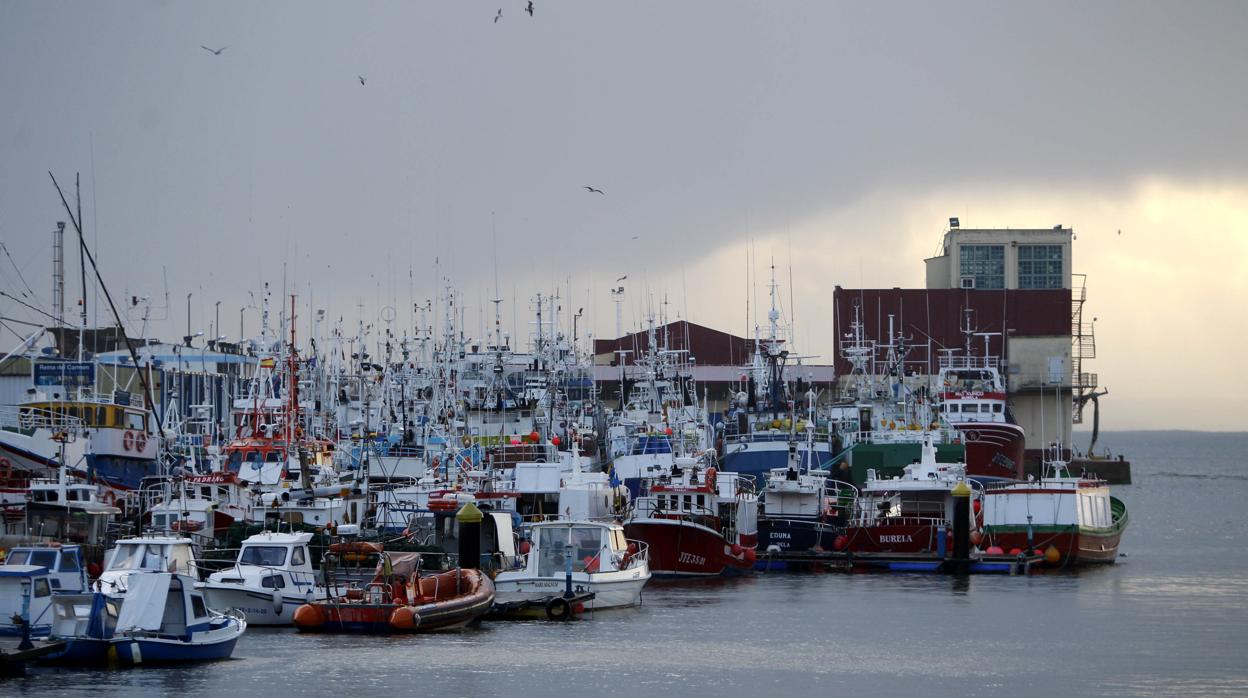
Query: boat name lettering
<point x="692" y="559"/>
<point x="899" y="538"/>
<point x="777" y="536"/>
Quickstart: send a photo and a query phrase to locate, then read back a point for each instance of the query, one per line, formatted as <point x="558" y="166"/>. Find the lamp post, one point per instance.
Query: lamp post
<point x="188" y="320"/>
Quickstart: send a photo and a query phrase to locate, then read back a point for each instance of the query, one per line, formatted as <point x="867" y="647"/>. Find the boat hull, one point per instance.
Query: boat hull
<point x="680" y="548"/>
<point x="897" y="538"/>
<point x="792" y="534"/>
<point x="261" y="606"/>
<point x="994" y="450"/>
<point x="160" y="651"/>
<point x="620" y="592"/>
<point x="758" y="456"/>
<point x="1076" y="545"/>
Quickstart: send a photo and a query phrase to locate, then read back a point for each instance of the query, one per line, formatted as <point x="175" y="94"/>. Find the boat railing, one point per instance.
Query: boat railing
<point x="26" y="420"/>
<point x="649" y="507"/>
<point x="639" y="556"/>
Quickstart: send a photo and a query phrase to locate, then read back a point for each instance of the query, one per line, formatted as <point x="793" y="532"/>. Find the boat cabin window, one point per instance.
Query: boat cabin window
<point x="139" y="556"/>
<point x="42" y="588"/>
<point x="951" y="407"/>
<point x="996" y="407"/>
<point x="272" y="457"/>
<point x="134" y="420"/>
<point x="298" y="557"/>
<point x="273" y="581"/>
<point x="618" y="542"/>
<point x="198" y="608"/>
<point x="69" y="562"/>
<point x="234" y="462"/>
<point x="263" y="555"/>
<point x="17" y="557"/>
<point x="43" y="558"/>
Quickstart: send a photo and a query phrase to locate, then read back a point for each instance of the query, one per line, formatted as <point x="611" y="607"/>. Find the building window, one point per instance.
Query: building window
<point x="1040" y="266"/>
<point x="985" y="263"/>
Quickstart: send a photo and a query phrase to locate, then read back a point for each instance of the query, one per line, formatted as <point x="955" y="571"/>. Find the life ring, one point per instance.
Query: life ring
<point x="558" y="609"/>
<point x="109" y="497"/>
<point x="140" y="441"/>
<point x="710" y="478"/>
<point x="127" y="441"/>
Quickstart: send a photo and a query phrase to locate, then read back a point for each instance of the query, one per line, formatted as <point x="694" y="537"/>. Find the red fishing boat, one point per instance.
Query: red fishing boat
<point x="912" y="514"/>
<point x="1071" y="520"/>
<point x="696" y="521"/>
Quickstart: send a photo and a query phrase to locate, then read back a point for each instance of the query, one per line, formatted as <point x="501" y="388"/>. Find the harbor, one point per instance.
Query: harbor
<point x="558" y="348"/>
<point x="811" y="633"/>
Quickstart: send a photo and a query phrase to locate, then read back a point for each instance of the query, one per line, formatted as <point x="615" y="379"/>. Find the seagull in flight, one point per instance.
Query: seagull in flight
<point x="214" y="51"/>
<point x="362" y="79"/>
<point x="498" y="16"/>
<point x="529" y="8"/>
<point x="621" y="278"/>
<point x="595" y="191"/>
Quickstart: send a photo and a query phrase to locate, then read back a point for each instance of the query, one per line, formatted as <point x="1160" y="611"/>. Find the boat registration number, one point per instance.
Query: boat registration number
<point x="691" y="559"/>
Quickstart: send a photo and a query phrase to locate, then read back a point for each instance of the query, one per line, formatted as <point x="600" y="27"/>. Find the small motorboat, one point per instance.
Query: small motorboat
<point x="161" y="618"/>
<point x="271" y="579"/>
<point x="400" y="599"/>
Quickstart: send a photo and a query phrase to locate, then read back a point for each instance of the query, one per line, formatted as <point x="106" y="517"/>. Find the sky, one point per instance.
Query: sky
<point x="833" y="139"/>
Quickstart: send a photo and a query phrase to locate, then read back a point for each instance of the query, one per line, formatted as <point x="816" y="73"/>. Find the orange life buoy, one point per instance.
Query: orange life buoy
<point x="109" y="497"/>
<point x="140" y="441"/>
<point x="127" y="441"/>
<point x="710" y="477"/>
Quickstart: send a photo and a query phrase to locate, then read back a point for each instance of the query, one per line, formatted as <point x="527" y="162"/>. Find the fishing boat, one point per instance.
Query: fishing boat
<point x="696" y="521"/>
<point x="162" y="619"/>
<point x="271" y="578"/>
<point x="912" y="514"/>
<point x="399" y="599"/>
<point x="1072" y="519"/>
<point x="972" y="398"/>
<point x="600" y="560"/>
<point x="803" y="510"/>
<point x="29" y="578"/>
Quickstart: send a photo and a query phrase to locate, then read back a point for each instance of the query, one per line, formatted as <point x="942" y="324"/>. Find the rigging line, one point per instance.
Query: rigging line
<point x="22" y="322"/>
<point x="28" y="305"/>
<point x="18" y="270"/>
<point x="147" y="389"/>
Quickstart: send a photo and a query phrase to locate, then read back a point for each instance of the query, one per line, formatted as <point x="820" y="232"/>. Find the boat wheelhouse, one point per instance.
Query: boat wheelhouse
<point x="29" y="577"/>
<point x="146" y="554"/>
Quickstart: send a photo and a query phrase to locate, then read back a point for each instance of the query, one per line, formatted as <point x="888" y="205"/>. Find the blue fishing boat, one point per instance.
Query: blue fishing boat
<point x="29" y="578"/>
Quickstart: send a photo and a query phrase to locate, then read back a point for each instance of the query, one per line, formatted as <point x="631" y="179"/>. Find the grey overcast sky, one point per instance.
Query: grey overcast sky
<point x="835" y="137"/>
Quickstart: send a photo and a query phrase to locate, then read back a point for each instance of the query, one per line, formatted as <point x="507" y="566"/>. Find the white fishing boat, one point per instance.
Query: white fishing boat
<point x="271" y="578"/>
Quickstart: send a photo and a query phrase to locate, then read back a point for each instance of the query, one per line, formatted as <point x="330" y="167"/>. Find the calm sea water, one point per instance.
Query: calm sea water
<point x="1170" y="618"/>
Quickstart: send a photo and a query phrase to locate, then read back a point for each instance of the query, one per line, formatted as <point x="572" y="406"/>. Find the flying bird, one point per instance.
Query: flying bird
<point x="596" y="191"/>
<point x="498" y="16"/>
<point x="636" y="236"/>
<point x="362" y="79"/>
<point x="529" y="8"/>
<point x="621" y="278"/>
<point x="214" y="51"/>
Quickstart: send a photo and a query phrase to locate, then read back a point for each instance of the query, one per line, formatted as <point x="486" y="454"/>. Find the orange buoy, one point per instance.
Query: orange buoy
<point x="1052" y="555"/>
<point x="976" y="538"/>
<point x="994" y="550"/>
<point x="404" y="618"/>
<point x="839" y="543"/>
<point x="308" y="616"/>
<point x="554" y="440"/>
<point x="1016" y="551"/>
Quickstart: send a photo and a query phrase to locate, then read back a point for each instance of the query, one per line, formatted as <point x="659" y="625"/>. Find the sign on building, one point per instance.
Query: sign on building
<point x="66" y="374"/>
